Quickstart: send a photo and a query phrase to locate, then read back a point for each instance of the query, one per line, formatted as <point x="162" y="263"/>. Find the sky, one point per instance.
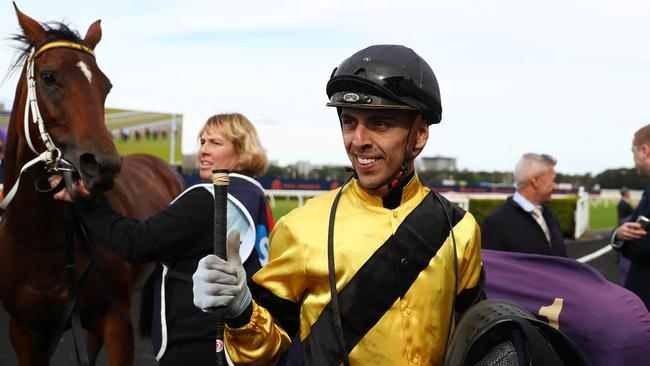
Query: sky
<point x="566" y="78"/>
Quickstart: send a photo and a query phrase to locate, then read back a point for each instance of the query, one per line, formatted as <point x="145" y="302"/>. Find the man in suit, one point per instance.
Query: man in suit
<point x="631" y="237"/>
<point x="524" y="224"/>
<point x="624" y="209"/>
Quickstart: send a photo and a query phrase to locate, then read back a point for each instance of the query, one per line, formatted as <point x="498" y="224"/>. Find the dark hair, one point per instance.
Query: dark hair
<point x="55" y="31"/>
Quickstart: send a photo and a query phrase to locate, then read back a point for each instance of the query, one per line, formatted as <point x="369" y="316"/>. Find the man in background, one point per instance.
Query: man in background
<point x="631" y="238"/>
<point x="624" y="208"/>
<point x="524" y="223"/>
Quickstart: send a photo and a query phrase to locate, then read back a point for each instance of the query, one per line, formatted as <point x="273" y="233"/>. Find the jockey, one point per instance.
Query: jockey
<point x="370" y="272"/>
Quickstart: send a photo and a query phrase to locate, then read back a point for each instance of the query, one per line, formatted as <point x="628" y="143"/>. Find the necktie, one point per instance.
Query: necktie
<point x="537" y="214"/>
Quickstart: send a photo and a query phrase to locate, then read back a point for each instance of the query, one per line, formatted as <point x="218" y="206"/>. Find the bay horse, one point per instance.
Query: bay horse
<point x="57" y="126"/>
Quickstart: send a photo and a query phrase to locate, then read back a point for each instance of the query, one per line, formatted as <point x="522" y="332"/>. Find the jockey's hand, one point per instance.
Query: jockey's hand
<point x="219" y="283"/>
<point x="64" y="195"/>
<point x="630" y="231"/>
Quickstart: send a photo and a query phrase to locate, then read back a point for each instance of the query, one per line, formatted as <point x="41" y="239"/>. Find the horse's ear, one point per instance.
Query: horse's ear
<point x="94" y="34"/>
<point x="33" y="31"/>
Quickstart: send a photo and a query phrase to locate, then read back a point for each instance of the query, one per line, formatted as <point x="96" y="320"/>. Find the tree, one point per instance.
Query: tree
<point x="617" y="178"/>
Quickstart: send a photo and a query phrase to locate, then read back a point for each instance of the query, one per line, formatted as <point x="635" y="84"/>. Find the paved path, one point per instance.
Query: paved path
<point x="589" y="243"/>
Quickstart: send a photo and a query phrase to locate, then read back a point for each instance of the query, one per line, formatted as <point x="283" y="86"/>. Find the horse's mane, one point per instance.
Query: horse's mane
<point x="55" y="31"/>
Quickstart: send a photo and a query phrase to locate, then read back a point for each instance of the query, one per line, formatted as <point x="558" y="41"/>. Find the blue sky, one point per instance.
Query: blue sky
<point x="571" y="79"/>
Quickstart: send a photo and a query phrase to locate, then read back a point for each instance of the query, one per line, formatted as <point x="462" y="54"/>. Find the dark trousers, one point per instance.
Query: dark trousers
<point x="193" y="353"/>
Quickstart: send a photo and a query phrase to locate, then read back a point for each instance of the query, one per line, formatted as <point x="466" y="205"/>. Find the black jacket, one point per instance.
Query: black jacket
<point x="178" y="237"/>
<point x="638" y="252"/>
<point x="624" y="210"/>
<point x="510" y="228"/>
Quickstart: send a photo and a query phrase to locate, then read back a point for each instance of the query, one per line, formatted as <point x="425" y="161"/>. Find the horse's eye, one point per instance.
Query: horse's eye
<point x="48" y="77"/>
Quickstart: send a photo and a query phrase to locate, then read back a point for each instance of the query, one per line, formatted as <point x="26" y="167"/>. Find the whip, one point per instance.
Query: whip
<point x="220" y="181"/>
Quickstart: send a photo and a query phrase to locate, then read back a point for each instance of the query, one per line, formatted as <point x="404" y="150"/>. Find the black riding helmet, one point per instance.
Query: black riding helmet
<point x="498" y="332"/>
<point x="386" y="77"/>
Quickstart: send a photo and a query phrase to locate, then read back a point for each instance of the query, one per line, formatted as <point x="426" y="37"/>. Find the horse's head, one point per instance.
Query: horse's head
<point x="70" y="91"/>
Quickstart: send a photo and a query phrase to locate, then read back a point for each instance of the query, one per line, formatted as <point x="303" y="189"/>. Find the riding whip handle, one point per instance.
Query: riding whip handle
<point x="220" y="181"/>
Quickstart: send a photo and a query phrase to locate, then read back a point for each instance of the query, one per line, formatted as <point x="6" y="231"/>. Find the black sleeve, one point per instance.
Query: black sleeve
<point x="470" y="296"/>
<point x="556" y="234"/>
<point x="637" y="250"/>
<point x="491" y="235"/>
<point x="164" y="235"/>
<point x="624" y="210"/>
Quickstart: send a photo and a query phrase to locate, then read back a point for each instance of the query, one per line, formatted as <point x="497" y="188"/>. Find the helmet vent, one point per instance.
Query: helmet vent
<point x="361" y="73"/>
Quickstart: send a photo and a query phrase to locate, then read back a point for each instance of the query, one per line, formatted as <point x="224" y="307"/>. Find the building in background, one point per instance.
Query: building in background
<point x="436" y="164"/>
<point x="303" y="168"/>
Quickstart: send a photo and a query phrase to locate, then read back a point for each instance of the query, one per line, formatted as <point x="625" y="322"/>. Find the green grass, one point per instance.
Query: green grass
<point x="159" y="147"/>
<point x="114" y="110"/>
<point x="282" y="206"/>
<point x="602" y="215"/>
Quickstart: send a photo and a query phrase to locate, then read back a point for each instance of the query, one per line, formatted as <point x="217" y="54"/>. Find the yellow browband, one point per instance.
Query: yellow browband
<point x="64" y="44"/>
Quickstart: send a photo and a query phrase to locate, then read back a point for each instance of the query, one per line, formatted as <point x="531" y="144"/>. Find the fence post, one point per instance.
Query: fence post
<point x="581" y="215"/>
<point x="172" y="142"/>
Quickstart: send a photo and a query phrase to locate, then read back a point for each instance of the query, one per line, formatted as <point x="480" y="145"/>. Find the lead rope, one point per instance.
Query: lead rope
<point x="453" y="303"/>
<point x="71" y="308"/>
<point x="331" y="269"/>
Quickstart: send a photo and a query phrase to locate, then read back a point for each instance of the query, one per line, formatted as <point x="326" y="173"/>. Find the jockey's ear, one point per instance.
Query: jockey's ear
<point x="32" y="30"/>
<point x="93" y="35"/>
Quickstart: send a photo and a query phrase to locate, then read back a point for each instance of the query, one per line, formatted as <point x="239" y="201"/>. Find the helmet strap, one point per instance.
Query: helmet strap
<point x="396" y="184"/>
<point x="394" y="197"/>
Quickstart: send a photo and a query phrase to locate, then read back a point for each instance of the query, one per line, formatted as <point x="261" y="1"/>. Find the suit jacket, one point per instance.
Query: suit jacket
<point x="624" y="210"/>
<point x="638" y="252"/>
<point x="510" y="228"/>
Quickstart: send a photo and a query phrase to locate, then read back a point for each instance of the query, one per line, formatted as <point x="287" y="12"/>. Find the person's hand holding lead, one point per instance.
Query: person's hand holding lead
<point x="63" y="194"/>
<point x="219" y="283"/>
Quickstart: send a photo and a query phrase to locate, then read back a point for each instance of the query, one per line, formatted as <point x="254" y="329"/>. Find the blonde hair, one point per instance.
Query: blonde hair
<point x="241" y="132"/>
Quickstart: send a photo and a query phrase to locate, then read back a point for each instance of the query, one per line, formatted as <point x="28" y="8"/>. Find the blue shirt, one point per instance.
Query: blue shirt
<point x="525" y="204"/>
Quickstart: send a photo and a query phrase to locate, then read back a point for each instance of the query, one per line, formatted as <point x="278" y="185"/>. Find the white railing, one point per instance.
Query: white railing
<point x="300" y="194"/>
<point x="581" y="214"/>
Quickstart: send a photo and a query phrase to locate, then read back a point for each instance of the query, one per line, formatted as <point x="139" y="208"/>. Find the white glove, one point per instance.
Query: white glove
<point x="219" y="283"/>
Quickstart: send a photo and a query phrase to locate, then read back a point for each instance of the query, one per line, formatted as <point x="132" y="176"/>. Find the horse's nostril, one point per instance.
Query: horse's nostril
<point x="88" y="163"/>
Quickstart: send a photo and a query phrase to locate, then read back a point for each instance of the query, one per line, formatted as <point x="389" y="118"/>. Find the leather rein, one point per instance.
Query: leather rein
<point x="52" y="156"/>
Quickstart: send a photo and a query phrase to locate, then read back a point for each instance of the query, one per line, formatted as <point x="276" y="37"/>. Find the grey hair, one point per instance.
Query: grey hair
<point x="531" y="165"/>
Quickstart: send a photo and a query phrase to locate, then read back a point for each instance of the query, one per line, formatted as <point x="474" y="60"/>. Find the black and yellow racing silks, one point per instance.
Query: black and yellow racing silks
<point x="394" y="277"/>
